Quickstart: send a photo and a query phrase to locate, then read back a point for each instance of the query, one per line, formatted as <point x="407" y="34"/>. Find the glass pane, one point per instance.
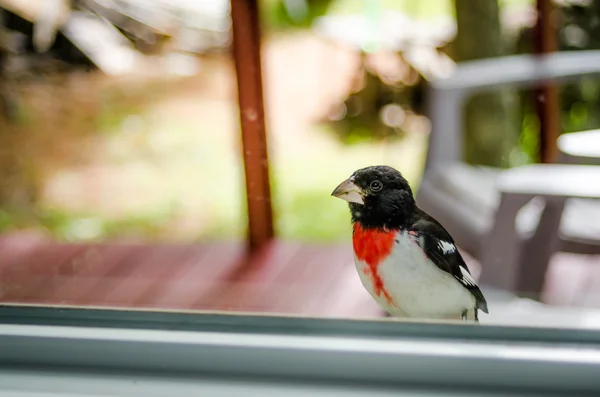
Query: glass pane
<point x="133" y="166"/>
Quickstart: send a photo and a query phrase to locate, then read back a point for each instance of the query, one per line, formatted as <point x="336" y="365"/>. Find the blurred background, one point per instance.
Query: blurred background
<point x="126" y="123"/>
<point x="127" y="127"/>
<point x="120" y="118"/>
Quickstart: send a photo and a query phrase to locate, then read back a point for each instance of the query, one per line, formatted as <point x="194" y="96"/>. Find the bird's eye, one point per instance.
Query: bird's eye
<point x="376" y="186"/>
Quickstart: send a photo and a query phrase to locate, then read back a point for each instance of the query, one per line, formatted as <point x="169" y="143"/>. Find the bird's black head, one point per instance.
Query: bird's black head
<point x="378" y="196"/>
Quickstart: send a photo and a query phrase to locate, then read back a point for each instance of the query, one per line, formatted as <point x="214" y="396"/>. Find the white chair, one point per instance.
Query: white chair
<point x="490" y="212"/>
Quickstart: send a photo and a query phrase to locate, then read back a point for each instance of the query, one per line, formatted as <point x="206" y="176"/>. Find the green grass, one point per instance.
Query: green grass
<point x="65" y="225"/>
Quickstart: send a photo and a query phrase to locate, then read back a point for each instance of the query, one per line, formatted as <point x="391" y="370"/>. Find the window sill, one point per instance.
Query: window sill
<point x="387" y="354"/>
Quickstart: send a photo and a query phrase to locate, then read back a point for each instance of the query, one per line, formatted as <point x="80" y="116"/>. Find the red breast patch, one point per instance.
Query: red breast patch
<point x="372" y="247"/>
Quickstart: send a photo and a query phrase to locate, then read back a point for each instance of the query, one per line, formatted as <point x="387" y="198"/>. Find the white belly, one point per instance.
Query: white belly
<point x="417" y="287"/>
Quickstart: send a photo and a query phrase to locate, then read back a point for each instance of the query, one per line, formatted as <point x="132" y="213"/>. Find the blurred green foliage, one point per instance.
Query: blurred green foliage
<point x="378" y="110"/>
<point x="280" y="15"/>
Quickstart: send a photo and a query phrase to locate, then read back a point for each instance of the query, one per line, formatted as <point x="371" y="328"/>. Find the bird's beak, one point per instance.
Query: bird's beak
<point x="348" y="191"/>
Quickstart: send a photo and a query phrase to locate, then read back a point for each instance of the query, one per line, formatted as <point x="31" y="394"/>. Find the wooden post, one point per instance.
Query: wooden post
<point x="246" y="52"/>
<point x="546" y="95"/>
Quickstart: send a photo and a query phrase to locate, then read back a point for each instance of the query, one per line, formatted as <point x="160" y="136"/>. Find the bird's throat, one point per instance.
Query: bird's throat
<point x="372" y="246"/>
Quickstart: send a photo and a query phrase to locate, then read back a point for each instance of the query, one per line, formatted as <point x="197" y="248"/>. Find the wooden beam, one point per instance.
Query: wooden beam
<point x="246" y="53"/>
<point x="546" y="95"/>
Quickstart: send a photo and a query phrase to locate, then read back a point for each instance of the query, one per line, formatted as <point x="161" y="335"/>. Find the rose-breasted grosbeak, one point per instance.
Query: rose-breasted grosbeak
<point x="406" y="260"/>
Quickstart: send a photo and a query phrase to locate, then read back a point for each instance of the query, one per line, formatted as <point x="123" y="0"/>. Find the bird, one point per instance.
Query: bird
<point x="406" y="259"/>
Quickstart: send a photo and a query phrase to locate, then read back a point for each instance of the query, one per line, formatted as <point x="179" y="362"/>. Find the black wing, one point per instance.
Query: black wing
<point x="439" y="246"/>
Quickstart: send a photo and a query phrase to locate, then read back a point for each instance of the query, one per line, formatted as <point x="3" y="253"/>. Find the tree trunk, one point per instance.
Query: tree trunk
<point x="491" y="133"/>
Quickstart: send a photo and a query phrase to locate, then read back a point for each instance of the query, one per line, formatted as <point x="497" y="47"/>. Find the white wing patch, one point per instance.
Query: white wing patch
<point x="467" y="279"/>
<point x="446" y="247"/>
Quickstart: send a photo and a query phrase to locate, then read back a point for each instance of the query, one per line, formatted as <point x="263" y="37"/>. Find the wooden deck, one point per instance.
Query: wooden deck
<point x="286" y="277"/>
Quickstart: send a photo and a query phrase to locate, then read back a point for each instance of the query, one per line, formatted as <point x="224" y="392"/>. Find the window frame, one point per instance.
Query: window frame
<point x="388" y="352"/>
